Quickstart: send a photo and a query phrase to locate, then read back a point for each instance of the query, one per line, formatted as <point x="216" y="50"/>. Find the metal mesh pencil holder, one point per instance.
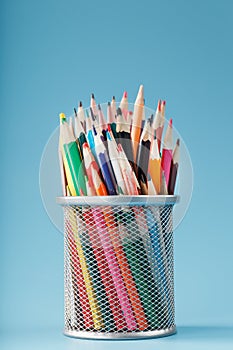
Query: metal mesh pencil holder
<point x="119" y="274"/>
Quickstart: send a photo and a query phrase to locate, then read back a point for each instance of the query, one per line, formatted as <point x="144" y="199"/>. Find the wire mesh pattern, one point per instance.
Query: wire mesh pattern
<point x="118" y="269"/>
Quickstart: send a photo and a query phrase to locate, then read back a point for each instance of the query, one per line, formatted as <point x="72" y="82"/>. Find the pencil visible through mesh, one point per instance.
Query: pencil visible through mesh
<point x="118" y="268"/>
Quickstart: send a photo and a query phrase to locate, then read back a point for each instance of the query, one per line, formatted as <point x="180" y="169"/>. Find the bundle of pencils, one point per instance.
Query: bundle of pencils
<point x="124" y="151"/>
<point x="123" y="154"/>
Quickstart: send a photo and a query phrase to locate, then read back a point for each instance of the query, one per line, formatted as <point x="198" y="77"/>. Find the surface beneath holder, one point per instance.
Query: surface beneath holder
<point x="121" y="336"/>
<point x="187" y="337"/>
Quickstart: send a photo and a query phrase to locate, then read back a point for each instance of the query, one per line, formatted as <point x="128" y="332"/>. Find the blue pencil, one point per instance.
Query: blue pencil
<point x="104" y="164"/>
<point x="156" y="236"/>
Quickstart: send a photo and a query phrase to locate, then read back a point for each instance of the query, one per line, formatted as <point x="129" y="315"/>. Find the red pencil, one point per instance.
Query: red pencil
<point x="104" y="270"/>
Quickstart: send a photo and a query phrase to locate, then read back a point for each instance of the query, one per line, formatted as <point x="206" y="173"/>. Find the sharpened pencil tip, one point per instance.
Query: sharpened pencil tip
<point x="159" y="105"/>
<point x="92" y="114"/>
<point x="125" y="94"/>
<point x="119" y="112"/>
<point x="92" y="95"/>
<point x="80" y="104"/>
<point x="113" y="97"/>
<point x="109" y="104"/>
<point x="178" y="142"/>
<point x="75" y="112"/>
<point x="164" y="103"/>
<point x="94" y="129"/>
<point x="170" y="122"/>
<point x="99" y="107"/>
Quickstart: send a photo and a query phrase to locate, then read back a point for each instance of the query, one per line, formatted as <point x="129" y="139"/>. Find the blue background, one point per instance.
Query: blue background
<point x="54" y="53"/>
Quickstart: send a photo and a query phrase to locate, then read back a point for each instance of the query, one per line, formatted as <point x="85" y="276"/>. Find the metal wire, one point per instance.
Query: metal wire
<point x="119" y="275"/>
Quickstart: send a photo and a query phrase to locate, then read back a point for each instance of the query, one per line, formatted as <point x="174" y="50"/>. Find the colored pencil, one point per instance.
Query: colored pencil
<point x="113" y="106"/>
<point x="89" y="135"/>
<point x="157" y="240"/>
<point x="79" y="134"/>
<point x="114" y="268"/>
<point x="65" y="163"/>
<point x="104" y="164"/>
<point x="129" y="176"/>
<point x="150" y="186"/>
<point x="139" y="265"/>
<point x="137" y="121"/>
<point x="115" y="233"/>
<point x="124" y="103"/>
<point x="79" y="279"/>
<point x="155" y="165"/>
<point x="102" y="122"/>
<point x="73" y="159"/>
<point x="167" y="152"/>
<point x="93" y="105"/>
<point x="124" y="137"/>
<point x="92" y="268"/>
<point x="143" y="155"/>
<point x="92" y="170"/>
<point x="104" y="271"/>
<point x="113" y="155"/>
<point x="174" y="168"/>
<point x="158" y="124"/>
<point x="81" y="115"/>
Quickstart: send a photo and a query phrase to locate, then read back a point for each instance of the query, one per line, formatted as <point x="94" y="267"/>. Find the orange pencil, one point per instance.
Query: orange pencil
<point x="155" y="165"/>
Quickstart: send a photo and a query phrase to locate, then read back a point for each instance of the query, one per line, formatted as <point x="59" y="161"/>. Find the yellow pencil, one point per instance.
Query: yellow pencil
<point x="155" y="165"/>
<point x="66" y="167"/>
<point x="95" y="310"/>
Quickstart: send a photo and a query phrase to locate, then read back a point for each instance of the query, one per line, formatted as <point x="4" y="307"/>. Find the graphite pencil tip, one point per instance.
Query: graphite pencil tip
<point x="92" y="95"/>
<point x="119" y="112"/>
<point x="178" y="142"/>
<point x="80" y="104"/>
<point x="94" y="129"/>
<point x="75" y="112"/>
<point x="109" y="104"/>
<point x="113" y="97"/>
<point x="99" y="107"/>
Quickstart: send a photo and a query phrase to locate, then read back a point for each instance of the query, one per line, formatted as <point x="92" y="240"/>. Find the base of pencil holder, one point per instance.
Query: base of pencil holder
<point x="121" y="336"/>
<point x="119" y="273"/>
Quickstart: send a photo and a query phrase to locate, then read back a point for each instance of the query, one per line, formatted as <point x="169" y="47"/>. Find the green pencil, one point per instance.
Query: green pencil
<point x="73" y="158"/>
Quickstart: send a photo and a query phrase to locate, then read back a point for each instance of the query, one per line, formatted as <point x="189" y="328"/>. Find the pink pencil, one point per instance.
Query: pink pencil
<point x="167" y="152"/>
<point x="114" y="269"/>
